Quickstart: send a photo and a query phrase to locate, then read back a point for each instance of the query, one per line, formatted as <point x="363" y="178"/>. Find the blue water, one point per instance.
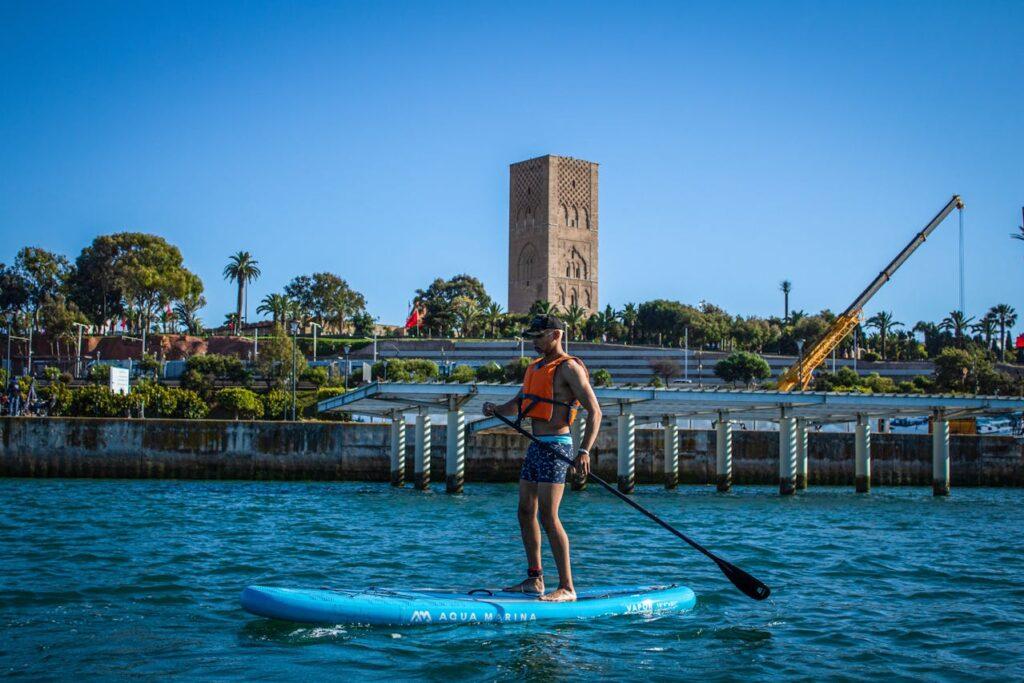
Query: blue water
<point x="106" y="579"/>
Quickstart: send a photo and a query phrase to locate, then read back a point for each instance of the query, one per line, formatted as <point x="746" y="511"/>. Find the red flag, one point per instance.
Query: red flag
<point x="1020" y="342"/>
<point x="413" y="320"/>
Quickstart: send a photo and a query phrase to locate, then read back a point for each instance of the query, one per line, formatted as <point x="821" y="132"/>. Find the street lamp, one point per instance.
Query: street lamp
<point x="348" y="368"/>
<point x="78" y="359"/>
<point x="295" y="350"/>
<point x="315" y="326"/>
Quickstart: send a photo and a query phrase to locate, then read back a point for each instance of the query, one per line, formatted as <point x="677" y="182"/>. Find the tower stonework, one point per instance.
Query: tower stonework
<point x="552" y="233"/>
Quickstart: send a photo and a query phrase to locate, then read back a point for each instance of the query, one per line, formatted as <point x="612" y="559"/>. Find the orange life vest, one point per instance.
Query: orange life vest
<point x="537" y="400"/>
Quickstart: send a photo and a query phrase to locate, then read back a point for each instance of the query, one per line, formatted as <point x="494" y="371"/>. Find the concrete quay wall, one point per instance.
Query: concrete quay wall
<point x="216" y="449"/>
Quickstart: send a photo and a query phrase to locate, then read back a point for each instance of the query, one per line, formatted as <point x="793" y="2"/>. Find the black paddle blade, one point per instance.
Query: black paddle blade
<point x="750" y="586"/>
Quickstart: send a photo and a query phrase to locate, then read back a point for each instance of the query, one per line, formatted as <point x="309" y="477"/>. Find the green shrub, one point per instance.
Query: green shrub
<point x="100" y="374"/>
<point x="907" y="387"/>
<point x="219" y="367"/>
<point x="277" y="404"/>
<point x="52" y="374"/>
<point x="515" y="370"/>
<point x="742" y="366"/>
<point x="847" y="377"/>
<point x="655" y="382"/>
<point x="601" y="378"/>
<point x="97" y="401"/>
<point x="463" y="374"/>
<point x="406" y="370"/>
<point x="869" y="356"/>
<point x="240" y="402"/>
<point x="149" y="366"/>
<point x="317" y="376"/>
<point x="490" y="372"/>
<point x="878" y="384"/>
<point x="329" y="392"/>
<point x="58" y="395"/>
<point x="159" y="401"/>
<point x="190" y="405"/>
<point x="924" y="383"/>
<point x="196" y="381"/>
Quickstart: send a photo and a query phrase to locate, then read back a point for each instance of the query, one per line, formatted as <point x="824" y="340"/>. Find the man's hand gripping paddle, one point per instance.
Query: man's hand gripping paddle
<point x="750" y="586"/>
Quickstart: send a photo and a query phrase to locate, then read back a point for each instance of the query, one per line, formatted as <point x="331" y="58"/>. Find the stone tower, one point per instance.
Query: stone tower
<point x="552" y="233"/>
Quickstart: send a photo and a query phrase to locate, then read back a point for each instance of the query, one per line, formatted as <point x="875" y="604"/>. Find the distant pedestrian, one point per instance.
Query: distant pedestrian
<point x="14" y="398"/>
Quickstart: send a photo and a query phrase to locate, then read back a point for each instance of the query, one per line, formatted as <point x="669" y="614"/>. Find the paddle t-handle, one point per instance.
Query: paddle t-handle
<point x="747" y="584"/>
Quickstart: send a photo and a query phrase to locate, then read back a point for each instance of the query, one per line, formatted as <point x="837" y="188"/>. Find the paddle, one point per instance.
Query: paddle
<point x="750" y="586"/>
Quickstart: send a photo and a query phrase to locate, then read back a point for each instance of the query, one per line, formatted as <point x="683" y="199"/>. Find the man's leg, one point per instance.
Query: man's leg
<point x="530" y="530"/>
<point x="549" y="497"/>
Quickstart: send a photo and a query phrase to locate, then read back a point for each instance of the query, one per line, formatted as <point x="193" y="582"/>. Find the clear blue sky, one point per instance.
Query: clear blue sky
<point x="739" y="144"/>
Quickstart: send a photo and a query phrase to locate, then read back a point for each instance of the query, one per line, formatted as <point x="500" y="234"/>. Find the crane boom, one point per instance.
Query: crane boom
<point x="800" y="373"/>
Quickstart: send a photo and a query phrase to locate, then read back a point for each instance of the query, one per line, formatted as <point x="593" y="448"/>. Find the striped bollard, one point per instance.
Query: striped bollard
<point x="801" y="454"/>
<point x="787" y="455"/>
<point x="723" y="452"/>
<point x="398" y="450"/>
<point x="455" y="453"/>
<point x="671" y="452"/>
<point x="940" y="455"/>
<point x="627" y="452"/>
<point x="862" y="455"/>
<point x="421" y="460"/>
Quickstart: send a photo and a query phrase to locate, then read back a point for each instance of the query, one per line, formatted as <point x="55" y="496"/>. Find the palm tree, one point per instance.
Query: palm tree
<point x="231" y="322"/>
<point x="186" y="311"/>
<point x="956" y="322"/>
<point x="1019" y="235"/>
<point x="542" y="307"/>
<point x="785" y="287"/>
<point x="492" y="317"/>
<point x="629" y="315"/>
<point x="986" y="327"/>
<point x="883" y="322"/>
<point x="1007" y="317"/>
<point x="575" y="316"/>
<point x="277" y="305"/>
<point x="796" y="316"/>
<point x="467" y="312"/>
<point x="243" y="269"/>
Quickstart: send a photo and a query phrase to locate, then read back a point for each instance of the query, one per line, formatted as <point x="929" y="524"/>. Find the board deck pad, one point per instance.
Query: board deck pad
<point x="383" y="606"/>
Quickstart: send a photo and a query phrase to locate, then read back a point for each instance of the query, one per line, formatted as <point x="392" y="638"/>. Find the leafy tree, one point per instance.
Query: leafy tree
<point x="277" y="306"/>
<point x="315" y="375"/>
<point x="94" y="284"/>
<point x="13" y="293"/>
<point x="444" y="301"/>
<point x="1007" y="317"/>
<point x="742" y="366"/>
<point x="242" y="268"/>
<point x="243" y="403"/>
<point x="43" y="275"/>
<point x="884" y="323"/>
<point x="665" y="368"/>
<point x="277" y="404"/>
<point x="275" y="360"/>
<point x="601" y="378"/>
<point x="363" y="324"/>
<point x="326" y="299"/>
<point x="785" y="287"/>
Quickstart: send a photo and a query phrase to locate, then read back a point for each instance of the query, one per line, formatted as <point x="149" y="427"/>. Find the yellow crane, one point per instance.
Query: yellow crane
<point x="800" y="373"/>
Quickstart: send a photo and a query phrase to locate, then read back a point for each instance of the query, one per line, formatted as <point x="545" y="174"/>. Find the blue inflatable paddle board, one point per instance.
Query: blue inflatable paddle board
<point x="433" y="606"/>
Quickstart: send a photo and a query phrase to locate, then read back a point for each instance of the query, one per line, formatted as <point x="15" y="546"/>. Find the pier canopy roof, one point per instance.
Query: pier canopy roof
<point x="652" y="405"/>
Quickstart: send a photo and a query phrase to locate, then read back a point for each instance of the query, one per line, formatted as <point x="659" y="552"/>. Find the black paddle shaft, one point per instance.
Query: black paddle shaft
<point x="750" y="586"/>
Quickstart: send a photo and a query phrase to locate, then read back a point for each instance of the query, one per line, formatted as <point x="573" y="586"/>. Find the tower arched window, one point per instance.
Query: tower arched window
<point x="525" y="263"/>
<point x="586" y="218"/>
<point x="565" y="215"/>
<point x="575" y="217"/>
<point x="574" y="297"/>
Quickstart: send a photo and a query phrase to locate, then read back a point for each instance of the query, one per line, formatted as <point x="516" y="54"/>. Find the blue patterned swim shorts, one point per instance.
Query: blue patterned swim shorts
<point x="542" y="466"/>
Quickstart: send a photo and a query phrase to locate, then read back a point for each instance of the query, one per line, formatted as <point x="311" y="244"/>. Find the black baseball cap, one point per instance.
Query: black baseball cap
<point x="542" y="323"/>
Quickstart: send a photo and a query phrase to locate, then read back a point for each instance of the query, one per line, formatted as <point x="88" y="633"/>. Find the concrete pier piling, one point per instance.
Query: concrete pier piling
<point x="940" y="455"/>
<point x="787" y="455"/>
<point x="577" y="430"/>
<point x="627" y="452"/>
<point x="723" y="450"/>
<point x="398" y="450"/>
<point x="671" y="452"/>
<point x="455" y="453"/>
<point x="801" y="454"/>
<point x="862" y="455"/>
<point x="421" y="460"/>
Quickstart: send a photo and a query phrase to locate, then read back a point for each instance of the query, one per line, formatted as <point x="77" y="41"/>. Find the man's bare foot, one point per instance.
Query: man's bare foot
<point x="532" y="586"/>
<point x="560" y="595"/>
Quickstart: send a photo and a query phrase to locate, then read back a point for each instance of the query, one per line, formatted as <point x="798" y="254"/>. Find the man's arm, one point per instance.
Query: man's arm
<point x="507" y="408"/>
<point x="579" y="384"/>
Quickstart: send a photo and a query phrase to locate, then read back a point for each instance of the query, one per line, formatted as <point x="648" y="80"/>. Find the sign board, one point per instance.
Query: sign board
<point x="367" y="372"/>
<point x="119" y="383"/>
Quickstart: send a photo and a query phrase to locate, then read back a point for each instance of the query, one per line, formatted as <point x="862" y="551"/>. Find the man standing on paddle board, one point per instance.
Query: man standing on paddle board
<point x="555" y="387"/>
